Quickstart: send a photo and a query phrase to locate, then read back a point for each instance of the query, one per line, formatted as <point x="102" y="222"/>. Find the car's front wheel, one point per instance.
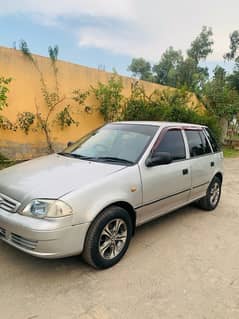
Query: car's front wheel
<point x="108" y="238"/>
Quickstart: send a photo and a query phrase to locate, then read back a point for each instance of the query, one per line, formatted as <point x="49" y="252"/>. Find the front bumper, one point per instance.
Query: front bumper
<point x="42" y="238"/>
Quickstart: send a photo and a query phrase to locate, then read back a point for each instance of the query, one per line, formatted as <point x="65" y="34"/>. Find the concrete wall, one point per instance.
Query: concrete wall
<point x="25" y="92"/>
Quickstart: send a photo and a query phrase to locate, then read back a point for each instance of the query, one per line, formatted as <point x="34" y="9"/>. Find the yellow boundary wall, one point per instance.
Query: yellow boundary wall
<point x="25" y="91"/>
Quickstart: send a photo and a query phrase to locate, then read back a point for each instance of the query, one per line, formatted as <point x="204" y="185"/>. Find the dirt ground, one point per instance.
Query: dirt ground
<point x="183" y="265"/>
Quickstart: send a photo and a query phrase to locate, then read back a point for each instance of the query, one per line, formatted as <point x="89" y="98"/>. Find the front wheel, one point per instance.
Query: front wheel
<point x="108" y="238"/>
<point x="211" y="200"/>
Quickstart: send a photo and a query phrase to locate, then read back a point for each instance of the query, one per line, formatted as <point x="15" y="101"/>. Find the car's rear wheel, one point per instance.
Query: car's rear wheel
<point x="108" y="238"/>
<point x="212" y="198"/>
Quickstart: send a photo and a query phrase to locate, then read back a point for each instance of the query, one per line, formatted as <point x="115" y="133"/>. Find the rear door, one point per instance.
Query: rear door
<point x="165" y="187"/>
<point x="201" y="161"/>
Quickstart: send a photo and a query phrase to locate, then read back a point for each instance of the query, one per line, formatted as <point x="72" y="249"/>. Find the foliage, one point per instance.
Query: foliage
<point x="23" y="46"/>
<point x="53" y="53"/>
<point x="141" y="68"/>
<point x="234" y="46"/>
<point x="53" y="111"/>
<point x="173" y="69"/>
<point x="4" y="91"/>
<point x="25" y="120"/>
<point x="201" y="47"/>
<point x="80" y="96"/>
<point x="166" y="70"/>
<point x="219" y="98"/>
<point x="64" y="118"/>
<point x="220" y="94"/>
<point x="233" y="78"/>
<point x="110" y="98"/>
<point x="139" y="106"/>
<point x="5" y="123"/>
<point x="166" y="105"/>
<point x="5" y="162"/>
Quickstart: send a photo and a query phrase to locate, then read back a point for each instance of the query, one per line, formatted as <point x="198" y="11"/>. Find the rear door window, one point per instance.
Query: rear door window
<point x="198" y="144"/>
<point x="206" y="145"/>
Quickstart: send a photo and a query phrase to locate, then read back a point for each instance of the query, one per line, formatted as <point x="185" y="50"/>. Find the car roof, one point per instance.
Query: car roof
<point x="160" y="123"/>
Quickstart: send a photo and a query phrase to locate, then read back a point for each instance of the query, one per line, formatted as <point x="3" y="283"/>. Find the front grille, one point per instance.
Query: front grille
<point x="8" y="203"/>
<point x="23" y="242"/>
<point x="2" y="232"/>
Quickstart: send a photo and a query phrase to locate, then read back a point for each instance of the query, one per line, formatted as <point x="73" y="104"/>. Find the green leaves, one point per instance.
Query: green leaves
<point x="201" y="47"/>
<point x="141" y="69"/>
<point x="110" y="98"/>
<point x="176" y="70"/>
<point x="64" y="118"/>
<point x="25" y="120"/>
<point x="53" y="53"/>
<point x="4" y="91"/>
<point x="234" y="46"/>
<point x="219" y="98"/>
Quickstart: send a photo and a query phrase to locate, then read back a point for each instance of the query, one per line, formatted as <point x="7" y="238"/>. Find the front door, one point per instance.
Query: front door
<point x="165" y="187"/>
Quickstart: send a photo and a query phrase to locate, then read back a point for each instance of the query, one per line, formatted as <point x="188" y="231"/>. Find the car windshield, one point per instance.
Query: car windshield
<point x="117" y="143"/>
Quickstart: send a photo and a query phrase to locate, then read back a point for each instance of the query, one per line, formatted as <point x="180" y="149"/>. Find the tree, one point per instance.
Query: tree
<point x="166" y="70"/>
<point x="141" y="69"/>
<point x="233" y="55"/>
<point x="234" y="47"/>
<point x="220" y="99"/>
<point x="190" y="74"/>
<point x="233" y="79"/>
<point x="201" y="47"/>
<point x="173" y="69"/>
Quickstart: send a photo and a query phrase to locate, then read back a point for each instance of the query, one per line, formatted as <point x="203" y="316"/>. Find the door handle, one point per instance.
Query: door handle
<point x="212" y="164"/>
<point x="185" y="171"/>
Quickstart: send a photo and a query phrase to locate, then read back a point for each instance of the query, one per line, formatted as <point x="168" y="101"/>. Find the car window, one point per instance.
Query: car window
<point x="206" y="145"/>
<point x="173" y="143"/>
<point x="212" y="140"/>
<point x="198" y="144"/>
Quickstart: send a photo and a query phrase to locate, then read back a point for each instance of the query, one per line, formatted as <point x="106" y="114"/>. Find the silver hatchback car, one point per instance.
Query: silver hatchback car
<point x="90" y="197"/>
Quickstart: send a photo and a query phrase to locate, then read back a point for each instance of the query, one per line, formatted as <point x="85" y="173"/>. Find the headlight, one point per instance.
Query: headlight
<point x="50" y="208"/>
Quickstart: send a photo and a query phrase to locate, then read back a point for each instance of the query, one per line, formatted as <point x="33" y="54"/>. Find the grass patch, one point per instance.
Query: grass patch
<point x="5" y="162"/>
<point x="230" y="152"/>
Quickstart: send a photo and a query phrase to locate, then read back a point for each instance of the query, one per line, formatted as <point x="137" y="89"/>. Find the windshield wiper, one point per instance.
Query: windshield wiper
<point x="100" y="158"/>
<point x="76" y="156"/>
<point x="114" y="159"/>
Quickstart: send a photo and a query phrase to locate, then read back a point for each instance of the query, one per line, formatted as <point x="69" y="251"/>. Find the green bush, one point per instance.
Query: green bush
<point x="167" y="105"/>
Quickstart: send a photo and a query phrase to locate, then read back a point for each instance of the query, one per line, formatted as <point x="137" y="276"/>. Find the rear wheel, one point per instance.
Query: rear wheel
<point x="108" y="238"/>
<point x="211" y="200"/>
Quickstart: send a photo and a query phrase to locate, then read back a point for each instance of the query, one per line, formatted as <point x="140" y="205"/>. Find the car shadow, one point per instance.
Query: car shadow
<point x="31" y="263"/>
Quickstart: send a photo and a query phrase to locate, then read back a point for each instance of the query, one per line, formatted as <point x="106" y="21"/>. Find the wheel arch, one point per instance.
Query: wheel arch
<point x="126" y="206"/>
<point x="219" y="175"/>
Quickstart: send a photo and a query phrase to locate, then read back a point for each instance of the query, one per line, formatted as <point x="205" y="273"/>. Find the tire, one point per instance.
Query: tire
<point x="108" y="238"/>
<point x="212" y="198"/>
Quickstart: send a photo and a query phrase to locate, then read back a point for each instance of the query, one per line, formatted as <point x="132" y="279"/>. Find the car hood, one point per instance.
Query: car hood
<point x="51" y="176"/>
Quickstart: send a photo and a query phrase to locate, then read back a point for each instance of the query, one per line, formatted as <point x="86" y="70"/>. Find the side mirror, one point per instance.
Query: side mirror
<point x="69" y="144"/>
<point x="159" y="158"/>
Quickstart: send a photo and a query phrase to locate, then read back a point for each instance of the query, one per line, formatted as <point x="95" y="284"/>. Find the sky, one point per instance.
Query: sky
<point x="107" y="34"/>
